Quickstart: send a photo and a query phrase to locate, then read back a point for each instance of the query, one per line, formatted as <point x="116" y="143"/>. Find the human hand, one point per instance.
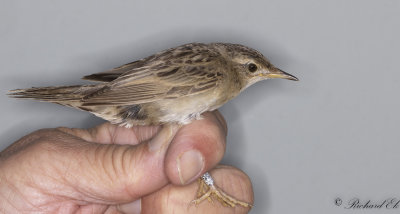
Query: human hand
<point x="111" y="169"/>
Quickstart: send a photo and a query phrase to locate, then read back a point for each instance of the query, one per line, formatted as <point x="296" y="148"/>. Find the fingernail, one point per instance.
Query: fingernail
<point x="133" y="207"/>
<point x="190" y="164"/>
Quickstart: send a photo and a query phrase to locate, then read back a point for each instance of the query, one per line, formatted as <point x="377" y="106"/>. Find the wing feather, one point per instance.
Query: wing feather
<point x="108" y="76"/>
<point x="183" y="71"/>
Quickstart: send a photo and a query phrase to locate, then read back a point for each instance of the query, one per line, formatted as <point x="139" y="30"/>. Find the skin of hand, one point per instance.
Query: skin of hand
<point x="111" y="169"/>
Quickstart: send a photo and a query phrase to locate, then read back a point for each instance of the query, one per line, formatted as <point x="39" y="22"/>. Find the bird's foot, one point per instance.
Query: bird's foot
<point x="207" y="190"/>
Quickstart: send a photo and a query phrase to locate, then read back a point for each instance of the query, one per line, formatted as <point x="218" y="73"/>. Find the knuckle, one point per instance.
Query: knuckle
<point x="115" y="160"/>
<point x="38" y="138"/>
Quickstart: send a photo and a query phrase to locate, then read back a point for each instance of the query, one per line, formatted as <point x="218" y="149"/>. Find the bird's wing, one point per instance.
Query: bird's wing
<point x="164" y="78"/>
<point x="108" y="76"/>
<point x="162" y="57"/>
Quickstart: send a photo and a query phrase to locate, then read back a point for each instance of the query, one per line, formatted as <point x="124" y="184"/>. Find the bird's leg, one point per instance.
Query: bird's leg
<point x="164" y="137"/>
<point x="208" y="190"/>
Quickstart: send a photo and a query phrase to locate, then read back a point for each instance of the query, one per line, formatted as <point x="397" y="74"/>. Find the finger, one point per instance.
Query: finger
<point x="196" y="148"/>
<point x="108" y="133"/>
<point x="135" y="171"/>
<point x="134" y="207"/>
<point x="95" y="173"/>
<point x="178" y="198"/>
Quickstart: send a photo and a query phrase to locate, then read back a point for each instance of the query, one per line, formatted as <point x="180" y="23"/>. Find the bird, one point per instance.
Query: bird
<point x="174" y="86"/>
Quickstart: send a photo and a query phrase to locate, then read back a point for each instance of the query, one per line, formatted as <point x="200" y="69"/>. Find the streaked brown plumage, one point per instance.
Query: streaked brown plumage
<point x="172" y="86"/>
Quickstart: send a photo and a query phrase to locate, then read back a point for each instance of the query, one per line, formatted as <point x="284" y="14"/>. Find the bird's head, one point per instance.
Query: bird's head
<point x="252" y="66"/>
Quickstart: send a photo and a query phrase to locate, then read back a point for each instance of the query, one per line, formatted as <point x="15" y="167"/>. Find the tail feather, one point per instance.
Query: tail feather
<point x="61" y="94"/>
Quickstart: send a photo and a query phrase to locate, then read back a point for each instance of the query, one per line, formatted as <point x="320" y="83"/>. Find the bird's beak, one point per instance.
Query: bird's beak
<point x="278" y="73"/>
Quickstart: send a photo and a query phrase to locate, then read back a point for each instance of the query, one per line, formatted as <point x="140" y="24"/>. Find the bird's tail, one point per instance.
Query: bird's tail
<point x="64" y="95"/>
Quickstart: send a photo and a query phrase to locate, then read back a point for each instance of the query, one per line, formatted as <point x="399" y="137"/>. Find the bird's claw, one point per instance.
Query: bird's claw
<point x="210" y="192"/>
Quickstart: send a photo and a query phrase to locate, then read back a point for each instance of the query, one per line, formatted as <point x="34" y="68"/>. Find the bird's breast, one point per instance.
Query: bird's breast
<point x="185" y="109"/>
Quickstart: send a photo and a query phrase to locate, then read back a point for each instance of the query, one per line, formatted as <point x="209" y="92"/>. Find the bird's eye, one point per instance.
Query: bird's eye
<point x="252" y="67"/>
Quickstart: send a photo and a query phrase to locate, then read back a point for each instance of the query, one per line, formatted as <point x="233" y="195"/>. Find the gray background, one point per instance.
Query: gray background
<point x="333" y="134"/>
